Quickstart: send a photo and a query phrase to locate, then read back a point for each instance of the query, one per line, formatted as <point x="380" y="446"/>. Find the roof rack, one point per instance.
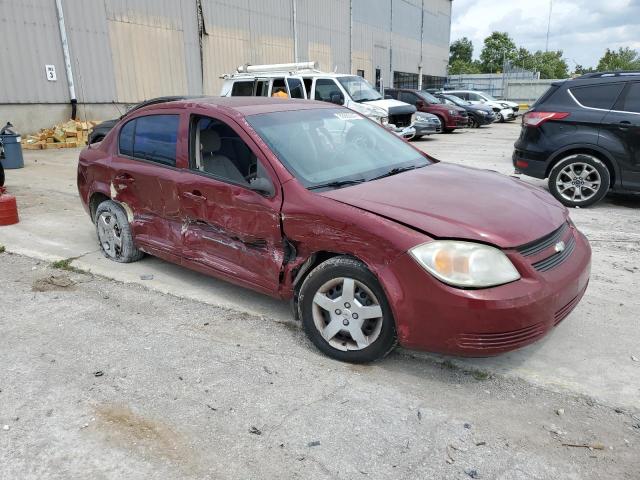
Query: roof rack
<point x="282" y="68"/>
<point x="620" y="73"/>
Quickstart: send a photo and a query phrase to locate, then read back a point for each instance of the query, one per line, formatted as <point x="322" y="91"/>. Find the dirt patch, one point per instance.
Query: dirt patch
<point x="52" y="282"/>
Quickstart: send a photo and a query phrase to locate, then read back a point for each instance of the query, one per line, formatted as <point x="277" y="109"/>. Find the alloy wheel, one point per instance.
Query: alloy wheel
<point x="578" y="182"/>
<point x="347" y="314"/>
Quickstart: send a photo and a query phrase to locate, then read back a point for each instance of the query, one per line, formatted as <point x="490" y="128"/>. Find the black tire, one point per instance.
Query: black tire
<point x="577" y="163"/>
<point x="346" y="267"/>
<point x="127" y="252"/>
<point x="500" y="117"/>
<point x="473" y="123"/>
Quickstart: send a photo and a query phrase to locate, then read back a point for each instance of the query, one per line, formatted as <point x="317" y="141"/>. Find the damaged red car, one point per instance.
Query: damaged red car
<point x="374" y="242"/>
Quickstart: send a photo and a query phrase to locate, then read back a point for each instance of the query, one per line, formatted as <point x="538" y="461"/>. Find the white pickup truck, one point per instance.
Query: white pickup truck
<point x="304" y="80"/>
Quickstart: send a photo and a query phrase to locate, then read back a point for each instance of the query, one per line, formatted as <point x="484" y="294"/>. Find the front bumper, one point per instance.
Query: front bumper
<point x="427" y="128"/>
<point x="439" y="318"/>
<point x="406" y="132"/>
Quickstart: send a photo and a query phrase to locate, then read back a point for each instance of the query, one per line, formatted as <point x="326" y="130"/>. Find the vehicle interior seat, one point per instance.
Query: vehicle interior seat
<point x="214" y="161"/>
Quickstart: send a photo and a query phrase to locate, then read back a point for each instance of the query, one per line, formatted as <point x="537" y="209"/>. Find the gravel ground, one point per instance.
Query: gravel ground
<point x="105" y="380"/>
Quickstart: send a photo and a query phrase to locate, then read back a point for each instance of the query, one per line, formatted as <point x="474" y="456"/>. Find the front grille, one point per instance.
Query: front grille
<point x="515" y="109"/>
<point x="557" y="258"/>
<point x="543" y="243"/>
<point x="512" y="339"/>
<point x="400" y="120"/>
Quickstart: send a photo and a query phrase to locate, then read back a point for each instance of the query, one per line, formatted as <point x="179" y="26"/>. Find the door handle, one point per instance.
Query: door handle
<point x="624" y="124"/>
<point x="195" y="196"/>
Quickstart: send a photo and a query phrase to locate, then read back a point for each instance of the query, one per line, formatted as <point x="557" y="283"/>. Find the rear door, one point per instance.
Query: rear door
<point x="623" y="135"/>
<point x="144" y="180"/>
<point x="296" y="88"/>
<point x="230" y="206"/>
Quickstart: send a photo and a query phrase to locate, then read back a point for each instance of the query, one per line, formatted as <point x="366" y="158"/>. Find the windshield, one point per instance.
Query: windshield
<point x="359" y="89"/>
<point x="428" y="97"/>
<point x="457" y="100"/>
<point x="323" y="146"/>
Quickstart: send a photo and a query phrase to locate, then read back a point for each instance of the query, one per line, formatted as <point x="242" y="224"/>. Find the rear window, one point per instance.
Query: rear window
<point x="598" y="96"/>
<point x="151" y="138"/>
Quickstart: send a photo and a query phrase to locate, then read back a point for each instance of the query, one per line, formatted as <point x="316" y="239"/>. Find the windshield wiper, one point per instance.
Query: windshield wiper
<point x="396" y="170"/>
<point x="337" y="184"/>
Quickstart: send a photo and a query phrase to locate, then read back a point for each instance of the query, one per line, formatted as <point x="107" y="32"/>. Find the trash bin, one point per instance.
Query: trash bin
<point x="11" y="148"/>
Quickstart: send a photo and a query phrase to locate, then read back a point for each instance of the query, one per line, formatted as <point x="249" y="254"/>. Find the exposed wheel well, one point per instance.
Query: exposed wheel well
<point x="96" y="199"/>
<point x="586" y="151"/>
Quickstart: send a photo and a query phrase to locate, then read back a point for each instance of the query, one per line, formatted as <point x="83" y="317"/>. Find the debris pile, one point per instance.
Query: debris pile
<point x="70" y="134"/>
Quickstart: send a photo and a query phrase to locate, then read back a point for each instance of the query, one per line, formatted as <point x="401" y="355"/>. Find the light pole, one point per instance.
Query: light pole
<point x="546" y="48"/>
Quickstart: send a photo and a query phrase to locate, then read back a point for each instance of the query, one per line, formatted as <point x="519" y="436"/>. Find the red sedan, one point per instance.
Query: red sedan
<point x="372" y="240"/>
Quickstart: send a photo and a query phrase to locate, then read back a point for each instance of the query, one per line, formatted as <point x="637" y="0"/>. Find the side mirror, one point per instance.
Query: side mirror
<point x="337" y="98"/>
<point x="263" y="186"/>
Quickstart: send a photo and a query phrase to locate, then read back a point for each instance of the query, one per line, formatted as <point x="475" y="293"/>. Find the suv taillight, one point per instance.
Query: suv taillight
<point x="535" y="119"/>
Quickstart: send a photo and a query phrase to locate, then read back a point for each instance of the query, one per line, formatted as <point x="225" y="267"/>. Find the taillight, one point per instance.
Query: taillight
<point x="535" y="119"/>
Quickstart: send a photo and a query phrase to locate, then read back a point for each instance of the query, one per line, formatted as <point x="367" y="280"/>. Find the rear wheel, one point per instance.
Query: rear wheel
<point x="345" y="312"/>
<point x="579" y="180"/>
<point x="114" y="233"/>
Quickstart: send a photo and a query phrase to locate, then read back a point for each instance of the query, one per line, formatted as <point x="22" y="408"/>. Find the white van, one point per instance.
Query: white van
<point x="304" y="80"/>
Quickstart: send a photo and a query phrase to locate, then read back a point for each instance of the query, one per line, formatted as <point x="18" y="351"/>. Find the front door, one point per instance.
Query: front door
<point x="230" y="206"/>
<point x="144" y="181"/>
<point x="621" y="135"/>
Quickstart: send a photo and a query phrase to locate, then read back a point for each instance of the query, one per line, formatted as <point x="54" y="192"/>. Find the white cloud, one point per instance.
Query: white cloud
<point x="582" y="29"/>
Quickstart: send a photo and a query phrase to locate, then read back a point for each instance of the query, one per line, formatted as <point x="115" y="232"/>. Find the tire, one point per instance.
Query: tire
<point x="448" y="130"/>
<point x="579" y="180"/>
<point x="114" y="233"/>
<point x="325" y="285"/>
<point x="500" y="118"/>
<point x="473" y="123"/>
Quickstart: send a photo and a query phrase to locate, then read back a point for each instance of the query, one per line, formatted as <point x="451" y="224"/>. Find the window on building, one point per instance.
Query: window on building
<point x="153" y="138"/>
<point x="598" y="96"/>
<point x="405" y="80"/>
<point x="360" y="73"/>
<point x="378" y="78"/>
<point x="242" y="89"/>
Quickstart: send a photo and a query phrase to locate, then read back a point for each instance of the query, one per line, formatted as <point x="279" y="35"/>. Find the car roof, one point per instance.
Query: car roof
<point x="245" y="106"/>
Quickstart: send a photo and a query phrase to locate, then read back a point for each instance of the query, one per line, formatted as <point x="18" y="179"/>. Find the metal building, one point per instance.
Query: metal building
<point x="121" y="52"/>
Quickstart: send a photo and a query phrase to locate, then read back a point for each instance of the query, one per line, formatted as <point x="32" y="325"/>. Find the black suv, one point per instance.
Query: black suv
<point x="584" y="135"/>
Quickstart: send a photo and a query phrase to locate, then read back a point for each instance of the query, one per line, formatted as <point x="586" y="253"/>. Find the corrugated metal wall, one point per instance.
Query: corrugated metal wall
<point x="124" y="51"/>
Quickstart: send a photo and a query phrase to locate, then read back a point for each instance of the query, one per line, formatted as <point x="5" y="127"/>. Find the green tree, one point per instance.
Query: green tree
<point x="460" y="66"/>
<point x="580" y="70"/>
<point x="461" y="50"/>
<point x="498" y="47"/>
<point x="624" y="59"/>
<point x="550" y="64"/>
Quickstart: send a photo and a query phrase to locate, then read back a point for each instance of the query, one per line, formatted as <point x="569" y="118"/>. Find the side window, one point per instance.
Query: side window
<point x="407" y="97"/>
<point x="295" y="88"/>
<point x="125" y="141"/>
<point x="262" y="88"/>
<point x="632" y="100"/>
<point x="220" y="152"/>
<point x="151" y="138"/>
<point x="325" y="88"/>
<point x="307" y="86"/>
<point x="278" y="88"/>
<point x="474" y="97"/>
<point x="598" y="96"/>
<point x="242" y="89"/>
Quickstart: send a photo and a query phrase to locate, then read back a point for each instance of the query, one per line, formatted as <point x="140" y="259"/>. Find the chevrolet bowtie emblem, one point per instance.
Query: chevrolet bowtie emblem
<point x="560" y="246"/>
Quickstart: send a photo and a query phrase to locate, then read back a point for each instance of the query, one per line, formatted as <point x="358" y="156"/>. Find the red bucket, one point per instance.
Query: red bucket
<point x="8" y="208"/>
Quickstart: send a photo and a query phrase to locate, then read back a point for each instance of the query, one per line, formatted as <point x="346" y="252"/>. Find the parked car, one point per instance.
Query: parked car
<point x="304" y="80"/>
<point x="478" y="114"/>
<point x="100" y="131"/>
<point x="584" y="136"/>
<point x="373" y="241"/>
<point x="426" y="124"/>
<point x="505" y="110"/>
<point x="451" y="117"/>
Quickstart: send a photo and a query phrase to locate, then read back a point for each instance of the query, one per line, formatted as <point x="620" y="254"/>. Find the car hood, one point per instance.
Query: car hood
<point x="452" y="201"/>
<point x="388" y="104"/>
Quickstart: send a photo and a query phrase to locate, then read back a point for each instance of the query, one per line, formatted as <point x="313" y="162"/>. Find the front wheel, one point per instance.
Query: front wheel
<point x="473" y="123"/>
<point x="500" y="118"/>
<point x="345" y="312"/>
<point x="579" y="180"/>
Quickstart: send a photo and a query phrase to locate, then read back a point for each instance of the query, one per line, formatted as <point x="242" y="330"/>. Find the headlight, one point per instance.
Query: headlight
<point x="465" y="264"/>
<point x="453" y="112"/>
<point x="384" y="121"/>
<point x="371" y="111"/>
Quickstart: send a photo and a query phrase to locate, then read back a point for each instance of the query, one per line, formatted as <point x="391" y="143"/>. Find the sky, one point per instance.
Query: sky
<point x="582" y="29"/>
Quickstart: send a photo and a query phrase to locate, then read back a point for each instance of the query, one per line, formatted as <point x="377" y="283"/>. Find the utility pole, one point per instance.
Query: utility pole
<point x="546" y="48"/>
